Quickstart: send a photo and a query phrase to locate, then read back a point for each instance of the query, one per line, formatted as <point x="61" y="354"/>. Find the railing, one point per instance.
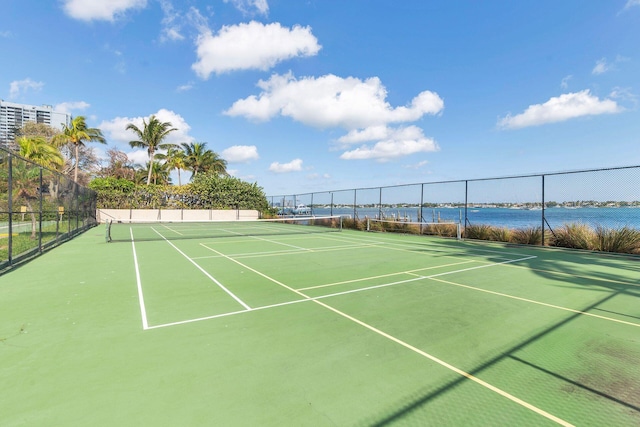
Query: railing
<point x="607" y="197"/>
<point x="39" y="209"/>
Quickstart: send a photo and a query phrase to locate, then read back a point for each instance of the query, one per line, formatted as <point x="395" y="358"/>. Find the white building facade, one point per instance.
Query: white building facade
<point x="13" y="116"/>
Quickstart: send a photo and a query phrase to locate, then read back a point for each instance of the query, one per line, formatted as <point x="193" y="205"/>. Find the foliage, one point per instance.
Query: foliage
<point x="211" y="191"/>
<point x="150" y="137"/>
<point x="38" y="150"/>
<point x="198" y="158"/>
<point x="76" y="135"/>
<point x="208" y="191"/>
<point x="576" y="236"/>
<point x="528" y="236"/>
<point x="622" y="240"/>
<point x="478" y="232"/>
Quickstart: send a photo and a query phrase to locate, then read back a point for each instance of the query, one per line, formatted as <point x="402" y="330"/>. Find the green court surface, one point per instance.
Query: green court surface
<point x="329" y="329"/>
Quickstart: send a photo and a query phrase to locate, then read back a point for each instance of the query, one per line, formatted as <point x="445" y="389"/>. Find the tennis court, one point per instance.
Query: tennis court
<point x="270" y="327"/>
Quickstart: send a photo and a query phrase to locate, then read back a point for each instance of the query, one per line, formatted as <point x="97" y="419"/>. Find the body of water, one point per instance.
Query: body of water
<point x="503" y="217"/>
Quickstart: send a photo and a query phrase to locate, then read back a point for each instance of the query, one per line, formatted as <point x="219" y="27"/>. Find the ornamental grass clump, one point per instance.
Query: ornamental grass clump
<point x="528" y="236"/>
<point x="478" y="231"/>
<point x="575" y="236"/>
<point x="621" y="240"/>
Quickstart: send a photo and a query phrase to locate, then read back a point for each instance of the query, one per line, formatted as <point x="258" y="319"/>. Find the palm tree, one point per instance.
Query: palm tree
<point x="150" y="137"/>
<point x="174" y="159"/>
<point x="76" y="135"/>
<point x="159" y="172"/>
<point x="25" y="179"/>
<point x="39" y="151"/>
<point x="199" y="159"/>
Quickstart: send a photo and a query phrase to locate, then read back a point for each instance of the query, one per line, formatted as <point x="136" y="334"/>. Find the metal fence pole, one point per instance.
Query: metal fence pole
<point x="421" y="203"/>
<point x="40" y="209"/>
<point x="355" y="204"/>
<point x="543" y="207"/>
<point x="10" y="209"/>
<point x="380" y="205"/>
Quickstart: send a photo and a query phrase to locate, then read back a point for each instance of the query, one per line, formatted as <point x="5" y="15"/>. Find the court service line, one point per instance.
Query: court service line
<point x="143" y="310"/>
<point x="213" y="279"/>
<point x="384" y="275"/>
<point x="535" y="302"/>
<point x="414" y="349"/>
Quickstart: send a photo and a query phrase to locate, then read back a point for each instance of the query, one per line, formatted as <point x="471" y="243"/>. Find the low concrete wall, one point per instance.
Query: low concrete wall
<point x="103" y="215"/>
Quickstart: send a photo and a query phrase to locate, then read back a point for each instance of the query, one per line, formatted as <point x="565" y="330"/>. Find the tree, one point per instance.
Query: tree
<point x="175" y="158"/>
<point x="150" y="137"/>
<point x="25" y="180"/>
<point x="38" y="150"/>
<point x="119" y="165"/>
<point x="76" y="135"/>
<point x="199" y="159"/>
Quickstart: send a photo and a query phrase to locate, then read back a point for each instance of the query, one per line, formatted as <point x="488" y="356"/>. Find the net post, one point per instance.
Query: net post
<point x="107" y="235"/>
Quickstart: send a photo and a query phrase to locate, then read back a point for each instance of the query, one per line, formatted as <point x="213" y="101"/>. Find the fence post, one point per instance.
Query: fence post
<point x="331" y="212"/>
<point x="10" y="209"/>
<point x="355" y="204"/>
<point x="543" y="207"/>
<point x="466" y="203"/>
<point x="380" y="205"/>
<point x="40" y="213"/>
<point x="421" y="203"/>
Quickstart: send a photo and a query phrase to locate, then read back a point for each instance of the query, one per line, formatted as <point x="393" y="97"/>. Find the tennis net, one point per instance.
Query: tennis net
<point x="442" y="229"/>
<point x="128" y="230"/>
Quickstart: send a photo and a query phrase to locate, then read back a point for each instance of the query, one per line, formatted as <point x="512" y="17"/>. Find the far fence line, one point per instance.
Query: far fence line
<point x="608" y="197"/>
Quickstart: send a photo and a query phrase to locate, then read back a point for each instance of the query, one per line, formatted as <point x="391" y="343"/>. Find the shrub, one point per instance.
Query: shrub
<point x="479" y="232"/>
<point x="501" y="234"/>
<point x="528" y="236"/>
<point x="576" y="236"/>
<point x="622" y="240"/>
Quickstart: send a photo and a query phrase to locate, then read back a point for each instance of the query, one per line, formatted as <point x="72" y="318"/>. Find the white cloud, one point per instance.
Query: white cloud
<point x="6" y="34"/>
<point x="185" y="87"/>
<point x="564" y="84"/>
<point x="631" y="3"/>
<point x="170" y="23"/>
<point x="293" y="166"/>
<point x="100" y="10"/>
<point x="601" y="67"/>
<point x="249" y="6"/>
<point x="251" y="46"/>
<point x="115" y="131"/>
<point x="68" y="107"/>
<point x="18" y="87"/>
<point x="240" y="153"/>
<point x="332" y="101"/>
<point x="561" y="108"/>
<point x="418" y="165"/>
<point x="393" y="143"/>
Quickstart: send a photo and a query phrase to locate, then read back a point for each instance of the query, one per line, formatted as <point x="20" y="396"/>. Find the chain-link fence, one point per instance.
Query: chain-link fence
<point x="39" y="209"/>
<point x="543" y="206"/>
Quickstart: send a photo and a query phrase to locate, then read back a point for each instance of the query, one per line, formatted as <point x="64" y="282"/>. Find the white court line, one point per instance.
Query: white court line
<point x="412" y="348"/>
<point x="278" y="253"/>
<point x="143" y="310"/>
<point x="535" y="302"/>
<point x="383" y="275"/>
<point x="451" y="367"/>
<point x="213" y="279"/>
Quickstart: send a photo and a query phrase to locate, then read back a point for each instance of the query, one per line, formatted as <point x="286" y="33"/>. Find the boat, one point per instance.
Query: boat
<point x="301" y="209"/>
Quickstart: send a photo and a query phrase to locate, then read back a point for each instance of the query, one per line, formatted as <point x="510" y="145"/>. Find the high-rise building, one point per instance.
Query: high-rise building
<point x="13" y="116"/>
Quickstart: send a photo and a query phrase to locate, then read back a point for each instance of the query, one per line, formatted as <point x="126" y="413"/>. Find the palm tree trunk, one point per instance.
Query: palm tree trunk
<point x="150" y="167"/>
<point x="75" y="173"/>
<point x="179" y="181"/>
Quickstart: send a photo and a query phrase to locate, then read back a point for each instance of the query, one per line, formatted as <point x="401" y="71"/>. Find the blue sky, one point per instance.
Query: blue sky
<point x="312" y="95"/>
